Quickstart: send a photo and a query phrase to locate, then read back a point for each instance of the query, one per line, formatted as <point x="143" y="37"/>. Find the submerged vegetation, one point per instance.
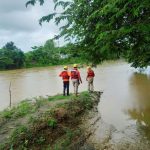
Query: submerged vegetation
<point x="47" y="123"/>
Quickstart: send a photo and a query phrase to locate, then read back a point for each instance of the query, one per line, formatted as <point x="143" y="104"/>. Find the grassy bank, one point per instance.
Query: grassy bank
<point x="50" y="123"/>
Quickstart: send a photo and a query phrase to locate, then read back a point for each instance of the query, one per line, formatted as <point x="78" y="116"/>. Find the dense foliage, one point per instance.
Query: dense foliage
<point x="43" y="55"/>
<point x="12" y="58"/>
<point x="49" y="54"/>
<point x="104" y="29"/>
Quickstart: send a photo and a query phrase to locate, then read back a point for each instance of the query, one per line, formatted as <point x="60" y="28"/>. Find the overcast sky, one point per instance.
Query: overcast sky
<point x="20" y="24"/>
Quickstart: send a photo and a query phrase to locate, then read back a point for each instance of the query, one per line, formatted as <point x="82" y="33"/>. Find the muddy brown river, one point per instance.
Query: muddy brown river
<point x="124" y="106"/>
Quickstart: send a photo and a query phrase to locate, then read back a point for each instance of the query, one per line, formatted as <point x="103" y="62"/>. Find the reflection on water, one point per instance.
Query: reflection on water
<point x="140" y="110"/>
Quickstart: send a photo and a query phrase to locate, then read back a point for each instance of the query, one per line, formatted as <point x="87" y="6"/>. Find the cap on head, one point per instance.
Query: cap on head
<point x="65" y="67"/>
<point x="75" y="65"/>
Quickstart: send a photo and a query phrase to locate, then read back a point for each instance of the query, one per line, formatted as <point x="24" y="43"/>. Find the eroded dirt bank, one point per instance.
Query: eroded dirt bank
<point x="103" y="136"/>
<point x="47" y="124"/>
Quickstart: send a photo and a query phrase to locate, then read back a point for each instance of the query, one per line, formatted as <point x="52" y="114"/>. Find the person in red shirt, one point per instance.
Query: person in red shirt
<point x="65" y="77"/>
<point x="90" y="78"/>
<point x="76" y="78"/>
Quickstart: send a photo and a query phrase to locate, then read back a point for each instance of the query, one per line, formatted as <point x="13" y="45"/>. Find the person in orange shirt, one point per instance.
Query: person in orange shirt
<point x="65" y="77"/>
<point x="90" y="78"/>
<point x="76" y="78"/>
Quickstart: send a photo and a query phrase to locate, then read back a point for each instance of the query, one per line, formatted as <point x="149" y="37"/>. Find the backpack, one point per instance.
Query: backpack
<point x="74" y="74"/>
<point x="91" y="73"/>
<point x="65" y="75"/>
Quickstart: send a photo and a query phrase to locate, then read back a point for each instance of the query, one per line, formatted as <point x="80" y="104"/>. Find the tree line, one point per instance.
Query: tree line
<point x="11" y="57"/>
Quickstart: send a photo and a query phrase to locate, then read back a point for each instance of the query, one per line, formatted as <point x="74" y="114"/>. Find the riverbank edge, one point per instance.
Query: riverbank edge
<point x="53" y="122"/>
<point x="63" y="63"/>
<point x="43" y="66"/>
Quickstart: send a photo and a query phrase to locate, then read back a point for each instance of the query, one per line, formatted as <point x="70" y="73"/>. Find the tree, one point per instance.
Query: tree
<point x="105" y="29"/>
<point x="4" y="60"/>
<point x="70" y="49"/>
<point x="51" y="50"/>
<point x="43" y="55"/>
<point x="11" y="57"/>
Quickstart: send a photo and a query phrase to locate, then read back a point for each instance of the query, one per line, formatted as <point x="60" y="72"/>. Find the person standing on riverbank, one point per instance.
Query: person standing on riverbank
<point x="90" y="78"/>
<point x="65" y="74"/>
<point x="76" y="78"/>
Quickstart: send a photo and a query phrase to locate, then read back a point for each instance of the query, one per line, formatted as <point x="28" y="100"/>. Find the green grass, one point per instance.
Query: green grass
<point x="67" y="139"/>
<point x="27" y="107"/>
<point x="86" y="100"/>
<point x="58" y="97"/>
<point x="22" y="109"/>
<point x="18" y="131"/>
<point x="52" y="123"/>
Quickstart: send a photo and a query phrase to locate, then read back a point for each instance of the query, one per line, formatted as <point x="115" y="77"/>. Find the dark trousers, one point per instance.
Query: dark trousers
<point x="66" y="87"/>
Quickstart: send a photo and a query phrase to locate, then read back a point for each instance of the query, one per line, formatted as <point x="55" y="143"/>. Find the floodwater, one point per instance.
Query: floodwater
<point x="124" y="105"/>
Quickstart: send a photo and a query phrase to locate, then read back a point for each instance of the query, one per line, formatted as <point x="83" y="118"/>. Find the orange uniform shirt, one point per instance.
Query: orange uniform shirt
<point x="62" y="75"/>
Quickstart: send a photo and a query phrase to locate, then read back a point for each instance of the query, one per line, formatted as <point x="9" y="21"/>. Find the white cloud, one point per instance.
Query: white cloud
<point x="20" y="24"/>
<point x="9" y="6"/>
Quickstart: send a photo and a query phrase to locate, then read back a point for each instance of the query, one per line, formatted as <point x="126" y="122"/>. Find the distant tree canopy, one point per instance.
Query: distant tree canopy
<point x="106" y="28"/>
<point x="49" y="54"/>
<point x="11" y="57"/>
<point x="43" y="55"/>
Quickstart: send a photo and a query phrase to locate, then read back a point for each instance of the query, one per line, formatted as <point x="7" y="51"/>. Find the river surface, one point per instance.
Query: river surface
<point x="124" y="105"/>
